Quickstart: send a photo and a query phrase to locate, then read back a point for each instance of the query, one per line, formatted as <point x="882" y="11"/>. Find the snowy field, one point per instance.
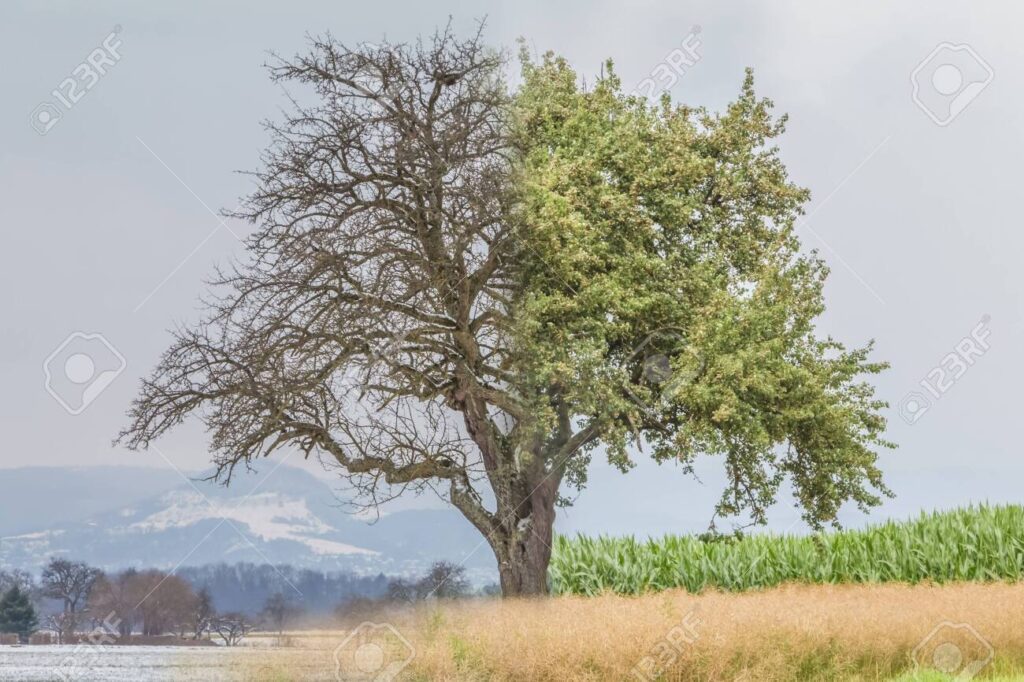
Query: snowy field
<point x="144" y="663"/>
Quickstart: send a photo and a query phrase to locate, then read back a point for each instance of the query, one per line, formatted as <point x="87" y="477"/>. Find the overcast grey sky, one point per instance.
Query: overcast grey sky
<point x="109" y="221"/>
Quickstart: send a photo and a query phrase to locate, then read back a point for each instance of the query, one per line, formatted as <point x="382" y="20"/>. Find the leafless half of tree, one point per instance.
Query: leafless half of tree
<point x="371" y="324"/>
<point x="232" y="627"/>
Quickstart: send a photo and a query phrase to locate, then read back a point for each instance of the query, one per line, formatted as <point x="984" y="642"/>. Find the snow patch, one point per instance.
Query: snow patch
<point x="268" y="516"/>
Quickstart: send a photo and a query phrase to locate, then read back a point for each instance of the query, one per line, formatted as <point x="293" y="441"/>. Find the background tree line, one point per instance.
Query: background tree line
<point x="201" y="603"/>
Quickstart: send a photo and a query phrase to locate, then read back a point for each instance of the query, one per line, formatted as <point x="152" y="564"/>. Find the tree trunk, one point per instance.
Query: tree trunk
<point x="523" y="545"/>
<point x="69" y="622"/>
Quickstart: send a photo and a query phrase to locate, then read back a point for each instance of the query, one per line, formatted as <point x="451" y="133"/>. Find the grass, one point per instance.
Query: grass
<point x="983" y="543"/>
<point x="890" y="603"/>
<point x="793" y="632"/>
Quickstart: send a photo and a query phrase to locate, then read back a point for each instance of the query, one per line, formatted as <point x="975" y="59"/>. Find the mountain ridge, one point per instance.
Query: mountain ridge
<point x="160" y="520"/>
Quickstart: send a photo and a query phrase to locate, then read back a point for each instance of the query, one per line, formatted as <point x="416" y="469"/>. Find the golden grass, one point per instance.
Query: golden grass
<point x="813" y="632"/>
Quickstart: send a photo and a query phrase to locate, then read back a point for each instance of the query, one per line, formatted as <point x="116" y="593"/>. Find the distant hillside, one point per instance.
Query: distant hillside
<point x="118" y="517"/>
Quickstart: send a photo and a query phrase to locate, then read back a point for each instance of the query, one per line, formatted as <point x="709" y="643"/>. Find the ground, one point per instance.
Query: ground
<point x="850" y="632"/>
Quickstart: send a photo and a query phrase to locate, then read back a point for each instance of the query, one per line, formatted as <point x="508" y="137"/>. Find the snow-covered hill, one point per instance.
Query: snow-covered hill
<point x="288" y="517"/>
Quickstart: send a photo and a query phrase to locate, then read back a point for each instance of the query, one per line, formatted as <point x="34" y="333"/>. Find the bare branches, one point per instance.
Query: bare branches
<point x="374" y="306"/>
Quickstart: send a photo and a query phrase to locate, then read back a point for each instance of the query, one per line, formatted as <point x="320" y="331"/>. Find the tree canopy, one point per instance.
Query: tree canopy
<point x="659" y="254"/>
<point x="459" y="285"/>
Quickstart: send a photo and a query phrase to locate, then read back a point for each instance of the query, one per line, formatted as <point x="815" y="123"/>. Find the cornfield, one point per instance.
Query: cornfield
<point x="983" y="543"/>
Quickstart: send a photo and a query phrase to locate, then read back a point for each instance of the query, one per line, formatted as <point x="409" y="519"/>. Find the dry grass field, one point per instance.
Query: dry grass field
<point x="796" y="632"/>
<point x="895" y="633"/>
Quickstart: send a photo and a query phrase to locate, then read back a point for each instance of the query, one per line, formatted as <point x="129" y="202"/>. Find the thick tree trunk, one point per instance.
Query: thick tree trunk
<point x="523" y="546"/>
<point x="525" y="573"/>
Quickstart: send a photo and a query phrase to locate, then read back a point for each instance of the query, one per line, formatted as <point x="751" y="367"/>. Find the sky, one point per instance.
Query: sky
<point x="903" y="121"/>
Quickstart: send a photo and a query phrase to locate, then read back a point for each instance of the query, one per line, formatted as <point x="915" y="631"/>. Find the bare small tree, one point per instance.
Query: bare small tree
<point x="402" y="591"/>
<point x="61" y="624"/>
<point x="202" y="614"/>
<point x="279" y="611"/>
<point x="232" y="627"/>
<point x="445" y="580"/>
<point x="71" y="583"/>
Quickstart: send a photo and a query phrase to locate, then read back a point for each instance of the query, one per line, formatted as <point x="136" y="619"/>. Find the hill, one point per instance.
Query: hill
<point x="119" y="517"/>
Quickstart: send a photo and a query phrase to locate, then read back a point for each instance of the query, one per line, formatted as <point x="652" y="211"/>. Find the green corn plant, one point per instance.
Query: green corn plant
<point x="977" y="543"/>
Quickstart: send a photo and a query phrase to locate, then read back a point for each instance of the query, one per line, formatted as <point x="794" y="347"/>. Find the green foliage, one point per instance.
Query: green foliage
<point x="663" y="230"/>
<point x="981" y="543"/>
<point x="17" y="614"/>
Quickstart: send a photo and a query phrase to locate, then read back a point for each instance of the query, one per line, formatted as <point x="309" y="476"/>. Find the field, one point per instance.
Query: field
<point x="973" y="544"/>
<point x="896" y="602"/>
<point x="793" y="632"/>
<point x="803" y="632"/>
<point x="71" y="663"/>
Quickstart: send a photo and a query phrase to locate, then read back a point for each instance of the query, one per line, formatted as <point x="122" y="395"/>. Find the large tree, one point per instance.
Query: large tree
<point x="115" y="599"/>
<point x="465" y="286"/>
<point x="279" y="611"/>
<point x="166" y="604"/>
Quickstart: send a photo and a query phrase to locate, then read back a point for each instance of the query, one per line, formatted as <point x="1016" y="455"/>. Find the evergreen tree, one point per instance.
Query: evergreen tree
<point x="17" y="614"/>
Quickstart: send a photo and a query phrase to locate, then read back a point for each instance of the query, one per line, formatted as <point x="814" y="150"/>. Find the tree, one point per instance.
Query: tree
<point x="23" y="579"/>
<point x="444" y="580"/>
<point x="17" y="615"/>
<point x="279" y="610"/>
<point x="232" y="627"/>
<point x="203" y="613"/>
<point x="167" y="602"/>
<point x="457" y="287"/>
<point x="116" y="596"/>
<point x="70" y="582"/>
<point x="402" y="591"/>
<point x="61" y="624"/>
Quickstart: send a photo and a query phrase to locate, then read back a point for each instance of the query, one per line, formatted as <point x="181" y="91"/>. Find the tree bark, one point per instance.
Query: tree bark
<point x="522" y="545"/>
